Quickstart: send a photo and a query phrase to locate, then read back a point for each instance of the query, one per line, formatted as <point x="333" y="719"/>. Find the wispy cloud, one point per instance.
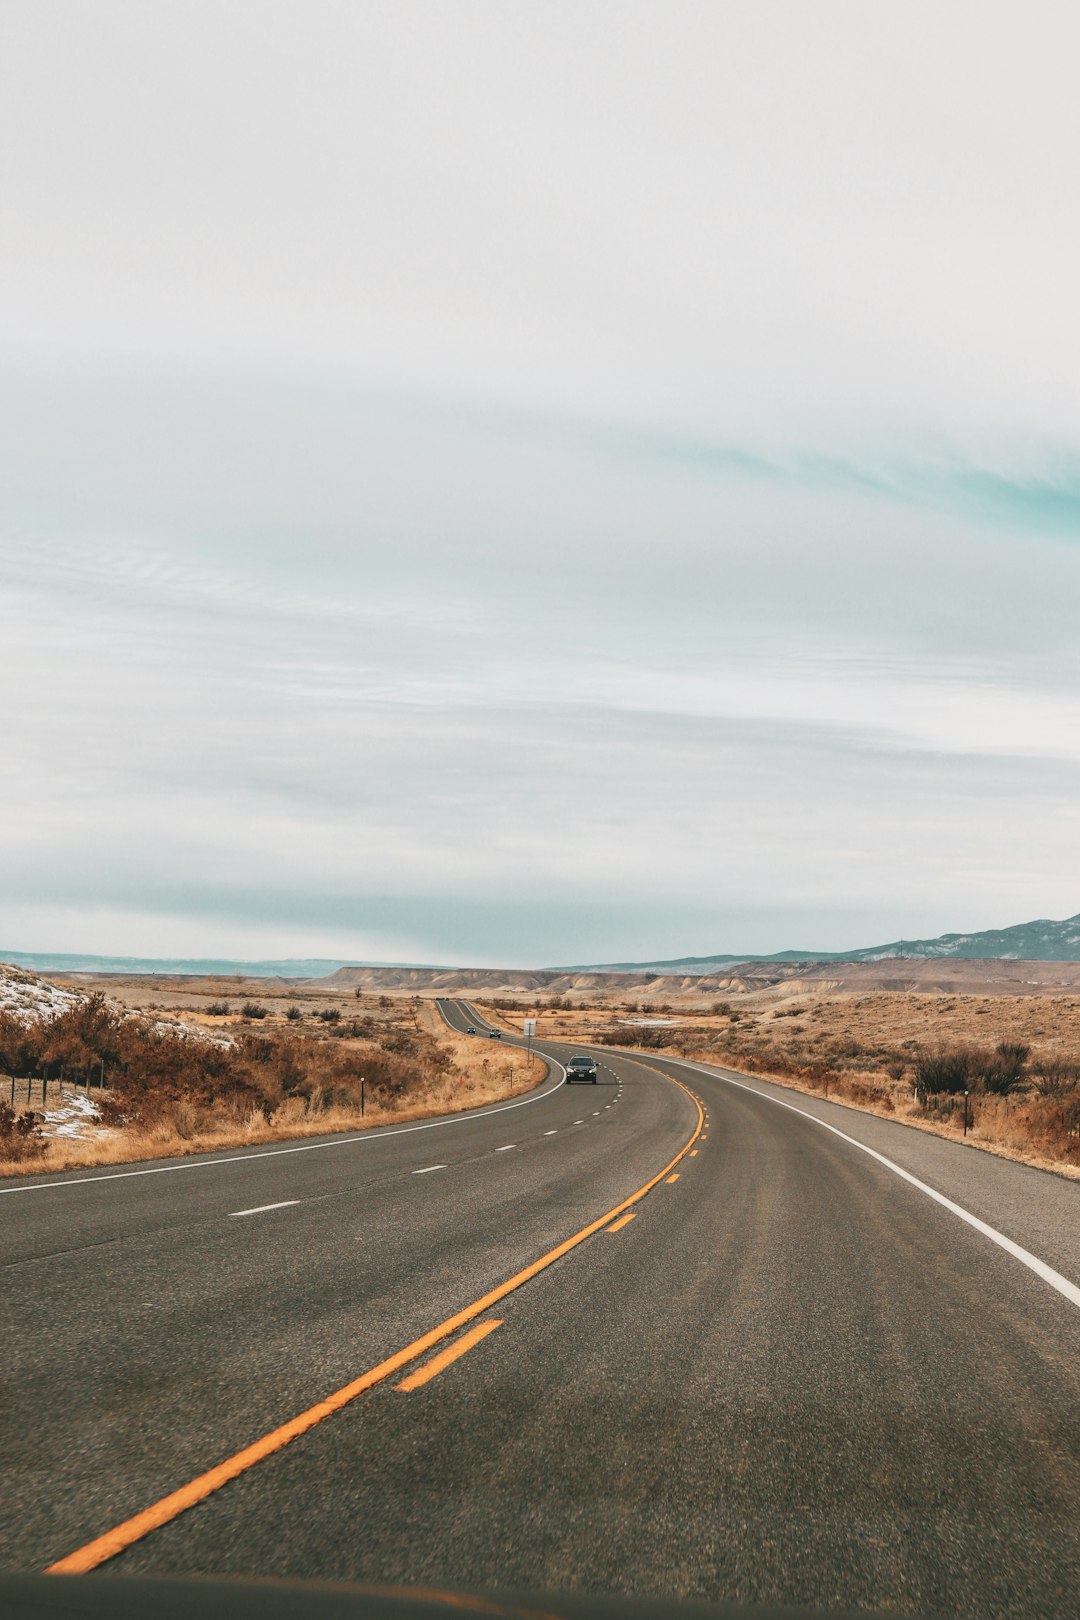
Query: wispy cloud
<point x="461" y="516"/>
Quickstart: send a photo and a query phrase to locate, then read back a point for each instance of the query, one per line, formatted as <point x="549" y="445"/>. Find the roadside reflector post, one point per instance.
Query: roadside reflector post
<point x="361" y="1096"/>
<point x="965" y="1111"/>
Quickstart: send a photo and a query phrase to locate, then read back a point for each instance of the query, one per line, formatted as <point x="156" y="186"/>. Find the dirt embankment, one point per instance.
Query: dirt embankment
<point x="908" y="975"/>
<point x="902" y="975"/>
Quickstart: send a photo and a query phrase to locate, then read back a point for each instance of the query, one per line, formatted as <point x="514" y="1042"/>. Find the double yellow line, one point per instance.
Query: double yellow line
<point x="122" y="1536"/>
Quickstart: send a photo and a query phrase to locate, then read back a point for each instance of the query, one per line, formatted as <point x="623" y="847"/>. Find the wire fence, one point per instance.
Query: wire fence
<point x="38" y="1092"/>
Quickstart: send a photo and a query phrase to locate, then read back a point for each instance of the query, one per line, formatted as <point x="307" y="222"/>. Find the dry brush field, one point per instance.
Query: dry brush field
<point x="184" y="1069"/>
<point x="910" y="1056"/>
<point x="197" y="1064"/>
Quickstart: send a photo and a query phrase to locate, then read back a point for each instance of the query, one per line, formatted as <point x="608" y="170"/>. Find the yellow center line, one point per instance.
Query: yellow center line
<point x="169" y="1507"/>
<point x="624" y="1220"/>
<point x="693" y="1153"/>
<point x="670" y="1179"/>
<point x="447" y="1357"/>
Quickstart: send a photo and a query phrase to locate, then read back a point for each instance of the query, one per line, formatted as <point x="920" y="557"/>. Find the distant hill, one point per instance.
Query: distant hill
<point x="186" y="966"/>
<point x="1042" y="941"/>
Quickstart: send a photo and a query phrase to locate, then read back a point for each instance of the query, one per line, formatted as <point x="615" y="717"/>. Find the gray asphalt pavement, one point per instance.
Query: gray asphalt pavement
<point x="791" y="1376"/>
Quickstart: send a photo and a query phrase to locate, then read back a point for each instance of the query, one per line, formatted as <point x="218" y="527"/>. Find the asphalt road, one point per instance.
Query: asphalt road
<point x="792" y="1375"/>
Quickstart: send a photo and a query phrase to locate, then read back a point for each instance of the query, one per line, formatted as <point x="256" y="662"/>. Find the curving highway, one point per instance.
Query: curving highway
<point x="677" y="1334"/>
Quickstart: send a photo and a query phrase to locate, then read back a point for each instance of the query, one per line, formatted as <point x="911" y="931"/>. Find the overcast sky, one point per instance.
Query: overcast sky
<point x="537" y="483"/>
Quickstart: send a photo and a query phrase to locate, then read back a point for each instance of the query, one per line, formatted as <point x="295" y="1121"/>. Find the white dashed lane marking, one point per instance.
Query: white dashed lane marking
<point x="260" y="1209"/>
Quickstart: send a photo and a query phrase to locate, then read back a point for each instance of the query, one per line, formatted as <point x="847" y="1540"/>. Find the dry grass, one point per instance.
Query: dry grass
<point x="486" y="1063"/>
<point x="862" y="1044"/>
<point x="293" y="1122"/>
<point x="862" y="1050"/>
<point x="476" y="1072"/>
<point x="1012" y="1128"/>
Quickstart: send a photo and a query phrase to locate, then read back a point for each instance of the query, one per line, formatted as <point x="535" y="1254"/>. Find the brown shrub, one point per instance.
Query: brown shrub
<point x="1054" y="1076"/>
<point x="20" y="1134"/>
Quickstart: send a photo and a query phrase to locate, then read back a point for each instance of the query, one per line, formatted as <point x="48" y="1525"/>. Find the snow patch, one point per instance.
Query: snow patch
<point x="27" y="997"/>
<point x="77" y="1116"/>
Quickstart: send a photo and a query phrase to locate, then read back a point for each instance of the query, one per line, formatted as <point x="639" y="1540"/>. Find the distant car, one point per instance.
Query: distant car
<point x="470" y="1029"/>
<point x="496" y="1034"/>
<point x="581" y="1068"/>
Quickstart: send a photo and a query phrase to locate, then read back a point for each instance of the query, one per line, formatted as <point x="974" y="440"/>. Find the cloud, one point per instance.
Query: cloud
<point x="634" y="515"/>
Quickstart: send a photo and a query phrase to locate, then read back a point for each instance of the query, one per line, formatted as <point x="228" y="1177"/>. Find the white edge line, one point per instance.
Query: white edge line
<point x="1064" y="1287"/>
<point x="260" y="1209"/>
<point x="379" y="1133"/>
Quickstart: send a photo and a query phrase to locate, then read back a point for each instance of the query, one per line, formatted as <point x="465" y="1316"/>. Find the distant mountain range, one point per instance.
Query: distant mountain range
<point x="1041" y="941"/>
<point x="185" y="966"/>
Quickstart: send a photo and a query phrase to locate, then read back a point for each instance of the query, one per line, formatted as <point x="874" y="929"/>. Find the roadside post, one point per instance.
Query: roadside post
<point x="965" y="1111"/>
<point x="530" y="1031"/>
<point x="361" y="1096"/>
